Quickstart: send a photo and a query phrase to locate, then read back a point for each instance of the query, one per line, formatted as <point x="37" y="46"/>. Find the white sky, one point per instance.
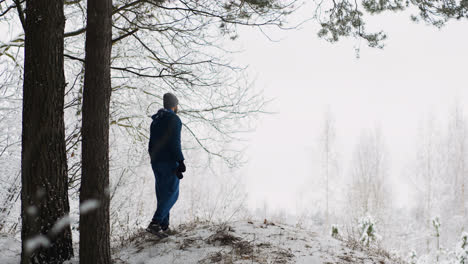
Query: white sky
<point x="421" y="70"/>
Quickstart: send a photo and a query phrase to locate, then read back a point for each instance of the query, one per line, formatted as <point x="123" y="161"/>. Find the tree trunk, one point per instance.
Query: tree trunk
<point x="44" y="193"/>
<point x="94" y="224"/>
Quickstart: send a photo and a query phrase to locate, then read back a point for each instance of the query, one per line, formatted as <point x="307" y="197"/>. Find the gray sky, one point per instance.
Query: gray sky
<point x="420" y="71"/>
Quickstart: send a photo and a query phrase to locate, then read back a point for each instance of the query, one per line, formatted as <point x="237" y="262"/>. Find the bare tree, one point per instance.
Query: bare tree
<point x="183" y="53"/>
<point x="11" y="87"/>
<point x="327" y="141"/>
<point x="44" y="193"/>
<point x="456" y="158"/>
<point x="428" y="168"/>
<point x="10" y="189"/>
<point x="369" y="191"/>
<point x="94" y="224"/>
<point x="159" y="46"/>
<point x="179" y="46"/>
<point x="170" y="45"/>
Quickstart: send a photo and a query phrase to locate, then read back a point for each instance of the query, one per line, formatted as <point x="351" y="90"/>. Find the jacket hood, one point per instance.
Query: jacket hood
<point x="163" y="112"/>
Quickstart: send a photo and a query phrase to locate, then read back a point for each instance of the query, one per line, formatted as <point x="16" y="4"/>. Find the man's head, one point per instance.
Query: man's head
<point x="170" y="101"/>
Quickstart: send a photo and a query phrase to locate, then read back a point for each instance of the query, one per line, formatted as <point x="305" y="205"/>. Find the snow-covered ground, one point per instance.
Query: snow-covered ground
<point x="10" y="249"/>
<point x="237" y="242"/>
<point x="241" y="242"/>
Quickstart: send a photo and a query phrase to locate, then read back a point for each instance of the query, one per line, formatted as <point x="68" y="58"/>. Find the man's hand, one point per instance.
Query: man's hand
<point x="181" y="167"/>
<point x="179" y="175"/>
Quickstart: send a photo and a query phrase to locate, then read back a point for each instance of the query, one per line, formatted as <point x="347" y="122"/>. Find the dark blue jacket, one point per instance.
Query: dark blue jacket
<point x="164" y="143"/>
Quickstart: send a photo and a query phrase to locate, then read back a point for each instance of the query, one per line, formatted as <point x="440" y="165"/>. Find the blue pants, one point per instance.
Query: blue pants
<point x="167" y="190"/>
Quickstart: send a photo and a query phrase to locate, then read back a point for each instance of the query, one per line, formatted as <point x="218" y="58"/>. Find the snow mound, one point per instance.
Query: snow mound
<point x="10" y="249"/>
<point x="241" y="242"/>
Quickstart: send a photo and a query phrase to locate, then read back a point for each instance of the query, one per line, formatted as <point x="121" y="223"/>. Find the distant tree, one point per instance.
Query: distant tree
<point x="457" y="157"/>
<point x="45" y="234"/>
<point x="94" y="224"/>
<point x="427" y="179"/>
<point x="327" y="146"/>
<point x="369" y="192"/>
<point x="428" y="159"/>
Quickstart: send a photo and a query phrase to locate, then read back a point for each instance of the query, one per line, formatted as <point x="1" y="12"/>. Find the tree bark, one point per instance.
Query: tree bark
<point x="94" y="224"/>
<point x="44" y="192"/>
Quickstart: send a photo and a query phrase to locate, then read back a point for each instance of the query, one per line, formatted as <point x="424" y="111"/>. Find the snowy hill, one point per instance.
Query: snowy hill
<point x="242" y="242"/>
<point x="237" y="242"/>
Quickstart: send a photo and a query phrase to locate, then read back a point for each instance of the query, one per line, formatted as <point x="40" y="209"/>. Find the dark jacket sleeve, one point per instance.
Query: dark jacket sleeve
<point x="176" y="144"/>
<point x="150" y="144"/>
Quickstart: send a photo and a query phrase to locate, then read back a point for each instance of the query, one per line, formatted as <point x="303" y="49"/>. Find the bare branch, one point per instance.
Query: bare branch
<point x="75" y="33"/>
<point x="20" y="12"/>
<point x="124" y="36"/>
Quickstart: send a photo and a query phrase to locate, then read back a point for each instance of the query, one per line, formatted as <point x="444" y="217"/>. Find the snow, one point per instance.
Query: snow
<point x="10" y="250"/>
<point x="240" y="242"/>
<point x="368" y="230"/>
<point x="61" y="224"/>
<point x="237" y="242"/>
<point x="36" y="242"/>
<point x="88" y="205"/>
<point x="32" y="210"/>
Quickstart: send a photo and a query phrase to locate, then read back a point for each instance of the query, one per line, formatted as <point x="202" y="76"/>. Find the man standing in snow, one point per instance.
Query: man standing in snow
<point x="167" y="162"/>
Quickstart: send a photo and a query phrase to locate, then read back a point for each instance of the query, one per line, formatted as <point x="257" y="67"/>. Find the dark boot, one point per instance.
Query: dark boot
<point x="166" y="230"/>
<point x="156" y="230"/>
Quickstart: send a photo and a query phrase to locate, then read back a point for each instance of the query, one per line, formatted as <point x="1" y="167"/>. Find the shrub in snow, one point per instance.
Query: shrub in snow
<point x="334" y="231"/>
<point x="368" y="230"/>
<point x="436" y="225"/>
<point x="394" y="254"/>
<point x="457" y="256"/>
<point x="462" y="249"/>
<point x="412" y="258"/>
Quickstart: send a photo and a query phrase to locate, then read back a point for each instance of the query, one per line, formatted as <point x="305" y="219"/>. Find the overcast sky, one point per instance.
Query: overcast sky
<point x="421" y="70"/>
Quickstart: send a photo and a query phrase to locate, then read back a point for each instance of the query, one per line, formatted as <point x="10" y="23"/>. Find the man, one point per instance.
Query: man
<point x="167" y="162"/>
